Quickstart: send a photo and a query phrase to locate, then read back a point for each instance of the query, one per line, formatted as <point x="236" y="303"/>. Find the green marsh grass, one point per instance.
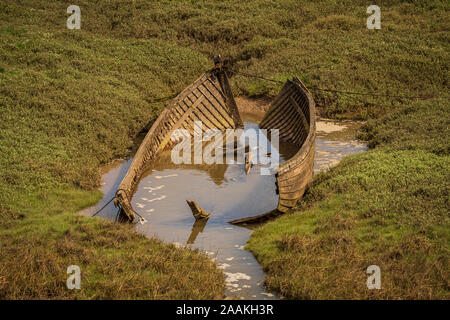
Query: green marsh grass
<point x="73" y="100"/>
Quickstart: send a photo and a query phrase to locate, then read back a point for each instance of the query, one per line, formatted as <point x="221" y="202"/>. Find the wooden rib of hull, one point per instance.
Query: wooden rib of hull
<point x="208" y="100"/>
<point x="292" y="112"/>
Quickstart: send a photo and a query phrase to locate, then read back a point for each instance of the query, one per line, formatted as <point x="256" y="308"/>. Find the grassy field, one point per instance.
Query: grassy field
<point x="72" y="100"/>
<point x="387" y="207"/>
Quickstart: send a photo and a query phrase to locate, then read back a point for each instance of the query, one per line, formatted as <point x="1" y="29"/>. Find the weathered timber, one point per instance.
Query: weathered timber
<point x="210" y="100"/>
<point x="292" y="112"/>
<point x="198" y="212"/>
<point x="257" y="219"/>
<point x="294" y="174"/>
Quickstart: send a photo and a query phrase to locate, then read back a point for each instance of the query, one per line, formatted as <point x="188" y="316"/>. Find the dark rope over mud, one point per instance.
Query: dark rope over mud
<point x="142" y="219"/>
<point x="98" y="211"/>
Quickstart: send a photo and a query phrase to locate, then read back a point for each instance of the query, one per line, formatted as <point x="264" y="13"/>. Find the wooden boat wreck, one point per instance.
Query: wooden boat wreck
<point x="210" y="100"/>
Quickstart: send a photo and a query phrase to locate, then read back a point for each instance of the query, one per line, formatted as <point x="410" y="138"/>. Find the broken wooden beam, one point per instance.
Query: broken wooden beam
<point x="198" y="212"/>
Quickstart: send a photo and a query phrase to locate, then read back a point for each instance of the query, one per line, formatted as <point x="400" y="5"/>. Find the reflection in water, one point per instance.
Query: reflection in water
<point x="197" y="227"/>
<point x="226" y="192"/>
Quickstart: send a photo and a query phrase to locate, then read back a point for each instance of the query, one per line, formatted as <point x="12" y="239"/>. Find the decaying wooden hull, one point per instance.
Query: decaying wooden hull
<point x="293" y="113"/>
<point x="210" y="100"/>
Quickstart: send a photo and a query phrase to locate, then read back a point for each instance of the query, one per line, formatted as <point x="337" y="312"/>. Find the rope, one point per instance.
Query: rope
<point x="126" y="194"/>
<point x="98" y="211"/>
<point x="369" y="93"/>
<point x="338" y="91"/>
<point x="312" y="87"/>
<point x="163" y="98"/>
<point x="258" y="77"/>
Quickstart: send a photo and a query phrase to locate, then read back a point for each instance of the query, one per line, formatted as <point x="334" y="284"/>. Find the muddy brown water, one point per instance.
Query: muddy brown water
<point x="225" y="191"/>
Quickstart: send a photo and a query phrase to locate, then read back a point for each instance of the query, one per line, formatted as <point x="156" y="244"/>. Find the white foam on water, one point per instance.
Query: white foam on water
<point x="179" y="245"/>
<point x="150" y="189"/>
<point x="223" y="266"/>
<point x="235" y="277"/>
<point x="157" y="199"/>
<point x="267" y="294"/>
<point x="168" y="176"/>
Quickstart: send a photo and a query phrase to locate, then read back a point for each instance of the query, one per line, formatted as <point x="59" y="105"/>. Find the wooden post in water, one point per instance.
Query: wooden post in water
<point x="198" y="212"/>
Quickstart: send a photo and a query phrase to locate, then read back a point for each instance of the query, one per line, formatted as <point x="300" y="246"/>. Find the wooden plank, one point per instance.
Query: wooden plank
<point x="274" y="105"/>
<point x="277" y="110"/>
<point x="217" y="105"/>
<point x="220" y="106"/>
<point x="283" y="208"/>
<point x="292" y="128"/>
<point x="301" y="113"/>
<point x="292" y="174"/>
<point x="288" y="203"/>
<point x="296" y="191"/>
<point x="199" y="114"/>
<point x="284" y="118"/>
<point x="214" y="116"/>
<point x="179" y="122"/>
<point x="256" y="219"/>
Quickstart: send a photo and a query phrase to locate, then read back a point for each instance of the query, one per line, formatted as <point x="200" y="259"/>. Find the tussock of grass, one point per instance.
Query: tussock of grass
<point x="115" y="262"/>
<point x="419" y="125"/>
